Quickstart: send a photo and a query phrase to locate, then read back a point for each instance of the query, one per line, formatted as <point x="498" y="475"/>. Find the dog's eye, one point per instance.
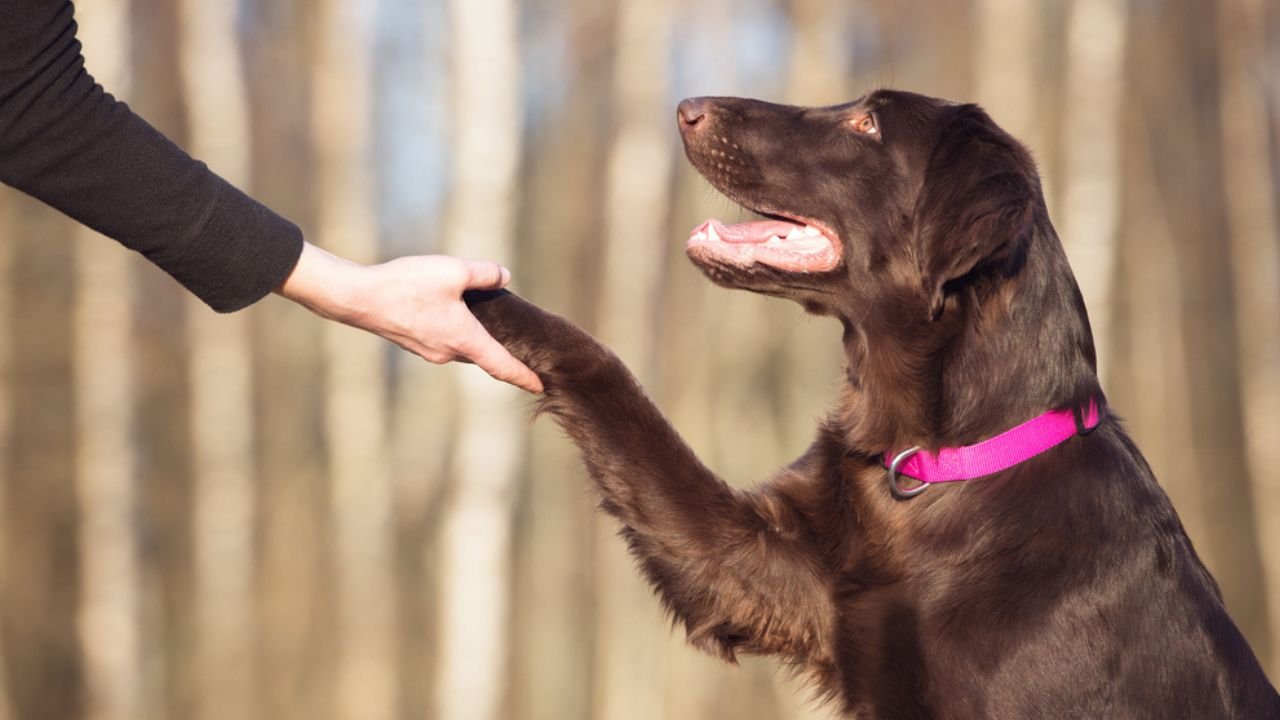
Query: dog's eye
<point x="865" y="123"/>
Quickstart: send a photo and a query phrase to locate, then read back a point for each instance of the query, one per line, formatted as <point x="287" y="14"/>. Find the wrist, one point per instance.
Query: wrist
<point x="329" y="286"/>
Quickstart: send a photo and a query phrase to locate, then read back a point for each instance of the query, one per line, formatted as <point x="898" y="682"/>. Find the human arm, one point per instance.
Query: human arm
<point x="66" y="142"/>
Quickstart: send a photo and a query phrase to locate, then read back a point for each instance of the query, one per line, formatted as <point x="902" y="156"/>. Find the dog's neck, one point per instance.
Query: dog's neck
<point x="1007" y="347"/>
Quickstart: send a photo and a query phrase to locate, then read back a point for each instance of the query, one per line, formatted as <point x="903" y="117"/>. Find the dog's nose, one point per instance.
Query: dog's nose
<point x="692" y="112"/>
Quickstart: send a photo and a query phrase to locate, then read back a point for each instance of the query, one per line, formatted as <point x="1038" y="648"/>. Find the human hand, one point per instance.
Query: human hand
<point x="415" y="302"/>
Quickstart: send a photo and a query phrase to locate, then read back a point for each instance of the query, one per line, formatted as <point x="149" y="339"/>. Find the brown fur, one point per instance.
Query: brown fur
<point x="1062" y="588"/>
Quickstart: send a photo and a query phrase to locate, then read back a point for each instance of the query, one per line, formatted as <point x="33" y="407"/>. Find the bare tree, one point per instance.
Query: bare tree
<point x="476" y="534"/>
<point x="562" y="208"/>
<point x="816" y="72"/>
<point x="294" y="664"/>
<point x="1187" y="154"/>
<point x="222" y="418"/>
<point x="1010" y="37"/>
<point x="355" y="405"/>
<point x="628" y="653"/>
<point x="106" y="463"/>
<point x="1091" y="207"/>
<point x="1255" y="252"/>
<point x="1149" y="372"/>
<point x="39" y="592"/>
<point x="411" y="102"/>
<point x="6" y="420"/>
<point x="165" y="485"/>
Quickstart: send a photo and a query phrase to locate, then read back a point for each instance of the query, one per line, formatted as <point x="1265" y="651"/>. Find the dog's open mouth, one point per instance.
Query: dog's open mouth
<point x="779" y="243"/>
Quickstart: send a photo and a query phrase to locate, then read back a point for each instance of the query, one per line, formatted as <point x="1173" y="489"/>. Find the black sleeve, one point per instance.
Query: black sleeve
<point x="65" y="141"/>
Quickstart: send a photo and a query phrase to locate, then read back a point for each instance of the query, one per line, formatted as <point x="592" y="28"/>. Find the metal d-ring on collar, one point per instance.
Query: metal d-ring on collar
<point x="900" y="492"/>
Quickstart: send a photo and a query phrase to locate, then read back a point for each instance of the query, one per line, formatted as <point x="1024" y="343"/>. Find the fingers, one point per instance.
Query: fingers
<point x="486" y="275"/>
<point x="494" y="359"/>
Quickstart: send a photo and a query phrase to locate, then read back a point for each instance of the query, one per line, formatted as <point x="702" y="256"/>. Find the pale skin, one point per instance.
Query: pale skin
<point x="415" y="302"/>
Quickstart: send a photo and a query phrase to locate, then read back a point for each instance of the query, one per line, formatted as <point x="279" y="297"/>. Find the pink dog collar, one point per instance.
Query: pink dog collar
<point x="990" y="456"/>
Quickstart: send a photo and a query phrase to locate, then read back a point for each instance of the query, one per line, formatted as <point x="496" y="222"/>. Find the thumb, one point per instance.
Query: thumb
<point x="489" y="355"/>
<point x="486" y="275"/>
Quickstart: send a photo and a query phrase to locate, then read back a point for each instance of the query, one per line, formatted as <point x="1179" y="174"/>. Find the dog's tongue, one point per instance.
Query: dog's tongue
<point x="760" y="231"/>
<point x="783" y="245"/>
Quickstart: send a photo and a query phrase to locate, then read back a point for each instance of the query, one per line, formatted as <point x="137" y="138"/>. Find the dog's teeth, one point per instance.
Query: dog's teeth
<point x="810" y="230"/>
<point x="712" y="234"/>
<point x="813" y="245"/>
<point x="795" y="234"/>
<point x="699" y="236"/>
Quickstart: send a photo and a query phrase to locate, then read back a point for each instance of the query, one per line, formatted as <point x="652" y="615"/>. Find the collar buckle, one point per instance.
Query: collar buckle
<point x="899" y="492"/>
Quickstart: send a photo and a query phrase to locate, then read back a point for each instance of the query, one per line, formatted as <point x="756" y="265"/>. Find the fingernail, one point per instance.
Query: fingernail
<point x="506" y="275"/>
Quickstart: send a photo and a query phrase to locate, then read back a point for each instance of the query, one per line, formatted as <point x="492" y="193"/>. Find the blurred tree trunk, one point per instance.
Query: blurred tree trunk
<point x="1149" y="368"/>
<point x="356" y="402"/>
<point x="476" y="536"/>
<point x="164" y="488"/>
<point x="1009" y="40"/>
<point x="295" y="648"/>
<point x="39" y="591"/>
<point x="562" y="216"/>
<point x="221" y="385"/>
<point x="816" y="72"/>
<point x="1255" y="253"/>
<point x="104" y="391"/>
<point x="410" y="97"/>
<point x="1091" y="197"/>
<point x="629" y="655"/>
<point x="925" y="46"/>
<point x="1149" y="375"/>
<point x="1176" y="60"/>
<point x="7" y="345"/>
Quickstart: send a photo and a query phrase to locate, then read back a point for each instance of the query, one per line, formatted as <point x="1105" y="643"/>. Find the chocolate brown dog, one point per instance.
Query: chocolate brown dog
<point x="1062" y="586"/>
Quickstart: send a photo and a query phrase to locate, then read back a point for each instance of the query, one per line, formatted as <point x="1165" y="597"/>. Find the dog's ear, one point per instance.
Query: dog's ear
<point x="977" y="204"/>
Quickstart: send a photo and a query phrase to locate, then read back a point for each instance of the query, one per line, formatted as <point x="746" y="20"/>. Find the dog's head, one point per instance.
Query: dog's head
<point x="918" y="223"/>
<point x="889" y="203"/>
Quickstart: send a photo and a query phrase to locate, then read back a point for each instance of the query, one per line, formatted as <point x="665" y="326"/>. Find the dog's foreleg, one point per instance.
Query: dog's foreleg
<point x="736" y="568"/>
